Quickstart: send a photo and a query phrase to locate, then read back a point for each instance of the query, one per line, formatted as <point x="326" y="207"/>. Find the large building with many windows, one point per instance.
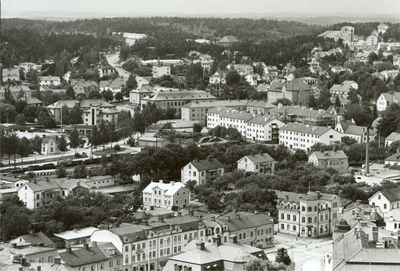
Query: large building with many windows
<point x="166" y="195"/>
<point x="307" y="215"/>
<point x="304" y="136"/>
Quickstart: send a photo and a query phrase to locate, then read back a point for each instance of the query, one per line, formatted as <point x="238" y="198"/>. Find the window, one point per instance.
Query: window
<point x="288" y="217"/>
<point x="294" y="218"/>
<point x="379" y="196"/>
<point x="102" y="264"/>
<point x="294" y="227"/>
<point x="282" y="216"/>
<point x="310" y="220"/>
<point x="133" y="246"/>
<point x="126" y="248"/>
<point x="303" y="219"/>
<point x="282" y="226"/>
<point x="111" y="264"/>
<point x="384" y="206"/>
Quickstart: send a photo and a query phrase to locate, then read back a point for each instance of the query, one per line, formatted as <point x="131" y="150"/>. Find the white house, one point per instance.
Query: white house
<point x="166" y="195"/>
<point x="349" y="129"/>
<point x="228" y="117"/>
<point x="201" y="170"/>
<point x="393" y="137"/>
<point x="386" y="99"/>
<point x="257" y="163"/>
<point x="159" y="71"/>
<point x="49" y="80"/>
<point x="252" y="79"/>
<point x="49" y="145"/>
<point x="330" y="159"/>
<point x="387" y="200"/>
<point x="392" y="220"/>
<point x="303" y="136"/>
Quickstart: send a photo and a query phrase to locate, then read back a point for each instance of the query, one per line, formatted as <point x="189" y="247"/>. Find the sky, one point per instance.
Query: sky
<point x="12" y="8"/>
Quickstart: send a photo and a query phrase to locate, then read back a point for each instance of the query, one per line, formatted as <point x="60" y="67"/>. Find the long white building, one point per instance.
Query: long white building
<point x="303" y="136"/>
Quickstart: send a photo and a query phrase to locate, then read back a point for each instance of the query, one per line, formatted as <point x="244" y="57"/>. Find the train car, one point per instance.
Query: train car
<point x="45" y="172"/>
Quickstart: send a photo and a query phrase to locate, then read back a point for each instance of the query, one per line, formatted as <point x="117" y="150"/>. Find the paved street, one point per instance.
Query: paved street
<point x="308" y="254"/>
<point x="113" y="60"/>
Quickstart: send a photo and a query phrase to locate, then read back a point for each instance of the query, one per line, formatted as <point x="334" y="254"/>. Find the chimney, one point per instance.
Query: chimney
<point x="191" y="212"/>
<point x="233" y="238"/>
<point x="161" y="181"/>
<point x="200" y="245"/>
<point x="68" y="250"/>
<point x="318" y="194"/>
<point x="287" y="197"/>
<point x="179" y="213"/>
<point x="161" y="219"/>
<point x="86" y="246"/>
<point x="217" y="239"/>
<point x="375" y="234"/>
<point x="172" y="183"/>
<point x="39" y="268"/>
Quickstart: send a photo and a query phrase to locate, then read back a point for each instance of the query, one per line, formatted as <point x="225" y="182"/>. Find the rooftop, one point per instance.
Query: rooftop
<point x="305" y="128"/>
<point x="168" y="188"/>
<point x="207" y="164"/>
<point x="77" y="233"/>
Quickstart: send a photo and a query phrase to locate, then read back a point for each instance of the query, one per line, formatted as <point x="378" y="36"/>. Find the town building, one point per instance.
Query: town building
<point x="390" y="74"/>
<point x="261" y="108"/>
<point x="330" y="159"/>
<point x="228" y="117"/>
<point x="160" y="70"/>
<point x="393" y="137"/>
<point x="15" y="92"/>
<point x="136" y="95"/>
<point x="33" y="239"/>
<point x="350" y="129"/>
<point x="218" y="77"/>
<point x="344" y="88"/>
<point x="365" y="247"/>
<point x="49" y="80"/>
<point x="346" y="33"/>
<point x="82" y="86"/>
<point x="38" y="193"/>
<point x="307" y="215"/>
<point x="75" y="237"/>
<point x="253" y="79"/>
<point x="10" y="74"/>
<point x="303" y="114"/>
<point x="153" y="243"/>
<point x="202" y="170"/>
<point x="92" y="257"/>
<point x="392" y="220"/>
<point x="166" y="195"/>
<point x="165" y="98"/>
<point x="214" y="256"/>
<point x="263" y="129"/>
<point x="304" y="136"/>
<point x="261" y="163"/>
<point x="49" y="146"/>
<point x="197" y="111"/>
<point x="296" y="91"/>
<point x="387" y="199"/>
<point x="386" y="99"/>
<point x="30" y="100"/>
<point x="115" y="85"/>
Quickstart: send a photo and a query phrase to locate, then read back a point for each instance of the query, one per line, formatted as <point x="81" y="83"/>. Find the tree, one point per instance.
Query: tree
<point x="131" y="83"/>
<point x="94" y="95"/>
<point x="256" y="264"/>
<point x="49" y="123"/>
<point x="197" y="127"/>
<point x="30" y="113"/>
<point x="283" y="101"/>
<point x="36" y="144"/>
<point x="20" y="106"/>
<point x="74" y="139"/>
<point x="80" y="171"/>
<point x="24" y="148"/>
<point x="390" y="121"/>
<point x="75" y="115"/>
<point x="107" y="95"/>
<point x="139" y="124"/>
<point x="232" y="78"/>
<point x="61" y="171"/>
<point x="119" y="96"/>
<point x="20" y="119"/>
<point x="62" y="144"/>
<point x="70" y="92"/>
<point x="282" y="256"/>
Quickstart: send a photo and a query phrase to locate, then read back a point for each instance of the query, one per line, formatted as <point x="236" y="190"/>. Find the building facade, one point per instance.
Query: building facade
<point x="337" y="160"/>
<point x="258" y="163"/>
<point x="166" y="195"/>
<point x="202" y="170"/>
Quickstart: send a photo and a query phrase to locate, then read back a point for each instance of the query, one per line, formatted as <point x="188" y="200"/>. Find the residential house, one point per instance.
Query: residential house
<point x="33" y="239"/>
<point x="303" y="114"/>
<point x="49" y="146"/>
<point x="393" y="137"/>
<point x="338" y="69"/>
<point x="218" y="77"/>
<point x="30" y="100"/>
<point x="393" y="160"/>
<point x="166" y="195"/>
<point x="228" y="41"/>
<point x="289" y="68"/>
<point x="382" y="28"/>
<point x="396" y="61"/>
<point x="165" y="98"/>
<point x="350" y="129"/>
<point x="273" y="70"/>
<point x="387" y="199"/>
<point x="202" y="170"/>
<point x="153" y="243"/>
<point x="386" y="99"/>
<point x="263" y="87"/>
<point x="136" y="95"/>
<point x="257" y="163"/>
<point x="390" y="74"/>
<point x="253" y="79"/>
<point x="362" y="57"/>
<point x="75" y="237"/>
<point x="296" y="91"/>
<point x="197" y="111"/>
<point x="307" y="215"/>
<point x="103" y="256"/>
<point x="263" y="129"/>
<point x="84" y="86"/>
<point x="104" y="70"/>
<point x="49" y="80"/>
<point x="392" y="220"/>
<point x="27" y="66"/>
<point x="344" y="88"/>
<point x="160" y="70"/>
<point x="314" y="65"/>
<point x="242" y="69"/>
<point x="55" y="108"/>
<point x="15" y="92"/>
<point x="366" y="247"/>
<point x="205" y="61"/>
<point x="330" y="159"/>
<point x="38" y="193"/>
<point x="10" y="74"/>
<point x="304" y="136"/>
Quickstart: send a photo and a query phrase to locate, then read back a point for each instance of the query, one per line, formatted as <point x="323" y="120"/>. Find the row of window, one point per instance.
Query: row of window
<point x="102" y="266"/>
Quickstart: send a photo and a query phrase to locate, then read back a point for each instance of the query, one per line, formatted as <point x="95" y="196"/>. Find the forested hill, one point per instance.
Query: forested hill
<point x="208" y="28"/>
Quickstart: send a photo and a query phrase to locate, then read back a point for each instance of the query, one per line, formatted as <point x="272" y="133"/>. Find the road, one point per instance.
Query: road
<point x="113" y="60"/>
<point x="308" y="254"/>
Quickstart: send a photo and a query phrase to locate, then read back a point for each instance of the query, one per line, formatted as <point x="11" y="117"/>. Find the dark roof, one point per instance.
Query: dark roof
<point x="296" y="85"/>
<point x="259" y="158"/>
<point x="90" y="255"/>
<point x="35" y="239"/>
<point x="236" y="223"/>
<point x="229" y="38"/>
<point x="207" y="164"/>
<point x="329" y="154"/>
<point x="392" y="194"/>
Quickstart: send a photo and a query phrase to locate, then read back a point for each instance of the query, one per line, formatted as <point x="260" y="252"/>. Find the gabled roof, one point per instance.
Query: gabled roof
<point x="258" y="158"/>
<point x="301" y="111"/>
<point x="49" y="78"/>
<point x="53" y="184"/>
<point x="261" y="104"/>
<point x="168" y="188"/>
<point x="61" y="104"/>
<point x="393" y="137"/>
<point x="79" y="233"/>
<point x="261" y="120"/>
<point x="329" y="155"/>
<point x="237" y="223"/>
<point x="94" y="102"/>
<point x="90" y="255"/>
<point x="229" y="38"/>
<point x="34" y="239"/>
<point x="31" y="100"/>
<point x="393" y="158"/>
<point x="296" y="85"/>
<point x="207" y="164"/>
<point x="392" y="194"/>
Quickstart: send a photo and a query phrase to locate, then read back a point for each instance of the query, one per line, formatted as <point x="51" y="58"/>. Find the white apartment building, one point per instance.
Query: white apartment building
<point x="263" y="128"/>
<point x="228" y="117"/>
<point x="303" y="136"/>
<point x="201" y="170"/>
<point x="166" y="195"/>
<point x="159" y="71"/>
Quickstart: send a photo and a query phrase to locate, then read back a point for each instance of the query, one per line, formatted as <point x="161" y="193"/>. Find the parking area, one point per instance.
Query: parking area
<point x="308" y="254"/>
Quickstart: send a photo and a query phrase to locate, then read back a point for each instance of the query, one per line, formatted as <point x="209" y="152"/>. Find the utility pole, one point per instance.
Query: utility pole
<point x="367" y="153"/>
